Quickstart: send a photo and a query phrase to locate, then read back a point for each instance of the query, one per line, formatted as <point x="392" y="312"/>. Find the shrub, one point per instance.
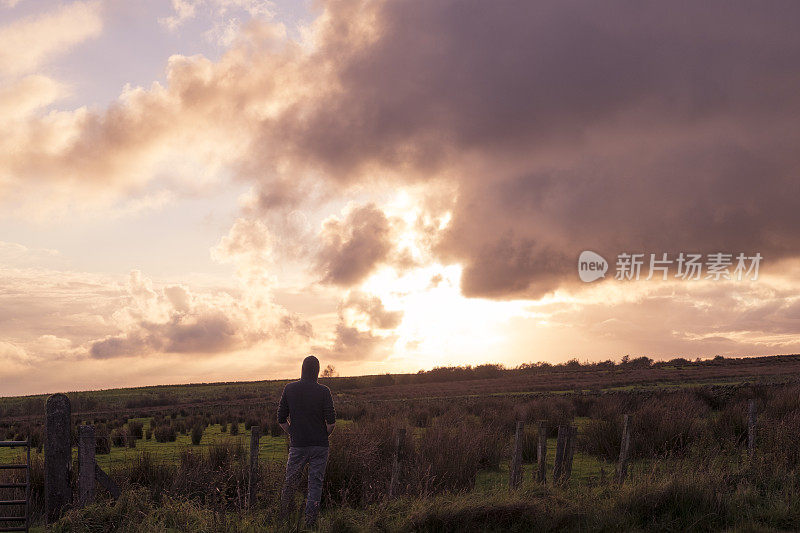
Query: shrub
<point x="118" y="438"/>
<point x="197" y="434"/>
<point x="135" y="429"/>
<point x="165" y="433"/>
<point x="102" y="441"/>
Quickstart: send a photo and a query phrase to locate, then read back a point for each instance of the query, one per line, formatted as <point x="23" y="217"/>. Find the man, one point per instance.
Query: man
<point x="306" y="413"/>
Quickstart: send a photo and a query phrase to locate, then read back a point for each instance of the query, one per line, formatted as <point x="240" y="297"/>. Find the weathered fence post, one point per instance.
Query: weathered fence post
<point x="541" y="453"/>
<point x="561" y="445"/>
<point x="751" y="428"/>
<point x="57" y="457"/>
<point x="515" y="467"/>
<point x="570" y="451"/>
<point x="624" y="449"/>
<point x="252" y="480"/>
<point x="396" y="461"/>
<point x="86" y="461"/>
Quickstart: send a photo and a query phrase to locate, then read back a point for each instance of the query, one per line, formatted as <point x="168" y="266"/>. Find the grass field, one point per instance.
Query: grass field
<point x="689" y="467"/>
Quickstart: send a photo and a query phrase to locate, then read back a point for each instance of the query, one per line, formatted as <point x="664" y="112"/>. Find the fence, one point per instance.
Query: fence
<point x="91" y="474"/>
<point x="15" y="522"/>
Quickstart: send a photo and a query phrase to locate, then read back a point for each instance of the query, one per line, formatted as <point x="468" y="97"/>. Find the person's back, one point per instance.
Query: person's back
<point x="307" y="414"/>
<point x="311" y="407"/>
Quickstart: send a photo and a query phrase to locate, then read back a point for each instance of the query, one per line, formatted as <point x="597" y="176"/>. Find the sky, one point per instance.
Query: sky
<point x="210" y="190"/>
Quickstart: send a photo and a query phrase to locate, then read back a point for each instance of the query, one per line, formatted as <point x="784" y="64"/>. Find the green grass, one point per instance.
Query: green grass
<point x="585" y="468"/>
<point x="270" y="448"/>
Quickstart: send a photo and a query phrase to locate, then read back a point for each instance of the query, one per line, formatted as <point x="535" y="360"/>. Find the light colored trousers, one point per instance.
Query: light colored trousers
<point x="317" y="459"/>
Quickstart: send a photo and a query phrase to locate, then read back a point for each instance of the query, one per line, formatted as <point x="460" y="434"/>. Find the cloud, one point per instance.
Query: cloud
<point x="568" y="126"/>
<point x="353" y="247"/>
<point x="13" y="254"/>
<point x="174" y="320"/>
<point x="50" y="315"/>
<point x="372" y="308"/>
<point x="249" y="245"/>
<point x="10" y="352"/>
<point x="355" y="336"/>
<point x="673" y="319"/>
<point x="559" y="126"/>
<point x="564" y="125"/>
<point x="22" y="97"/>
<point x="352" y="344"/>
<point x="31" y="42"/>
<point x="224" y="14"/>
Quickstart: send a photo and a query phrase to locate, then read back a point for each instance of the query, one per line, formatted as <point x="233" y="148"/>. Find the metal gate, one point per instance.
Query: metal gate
<point x="10" y="521"/>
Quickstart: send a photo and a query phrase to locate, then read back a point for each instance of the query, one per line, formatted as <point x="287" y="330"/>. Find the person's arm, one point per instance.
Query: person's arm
<point x="329" y="411"/>
<point x="283" y="413"/>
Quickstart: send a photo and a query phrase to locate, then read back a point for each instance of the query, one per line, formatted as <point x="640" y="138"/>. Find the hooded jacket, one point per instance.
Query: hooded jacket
<point x="308" y="406"/>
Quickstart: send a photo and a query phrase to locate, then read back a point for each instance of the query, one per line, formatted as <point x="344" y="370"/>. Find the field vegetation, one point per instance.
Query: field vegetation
<point x="184" y="466"/>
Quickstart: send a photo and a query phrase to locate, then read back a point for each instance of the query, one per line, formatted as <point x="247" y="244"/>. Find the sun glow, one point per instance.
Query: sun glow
<point x="439" y="325"/>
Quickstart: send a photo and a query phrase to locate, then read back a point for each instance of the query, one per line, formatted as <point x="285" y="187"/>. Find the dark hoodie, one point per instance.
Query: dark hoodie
<point x="309" y="406"/>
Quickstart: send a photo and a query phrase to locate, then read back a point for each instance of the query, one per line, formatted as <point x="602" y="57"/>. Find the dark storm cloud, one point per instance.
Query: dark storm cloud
<point x="567" y="125"/>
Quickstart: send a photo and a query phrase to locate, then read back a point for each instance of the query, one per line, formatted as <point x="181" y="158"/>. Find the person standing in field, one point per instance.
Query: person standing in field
<point x="307" y="414"/>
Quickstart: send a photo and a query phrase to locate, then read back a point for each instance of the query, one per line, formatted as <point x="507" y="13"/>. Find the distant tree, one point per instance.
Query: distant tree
<point x="641" y="362"/>
<point x="488" y="371"/>
<point x="329" y="372"/>
<point x="679" y="361"/>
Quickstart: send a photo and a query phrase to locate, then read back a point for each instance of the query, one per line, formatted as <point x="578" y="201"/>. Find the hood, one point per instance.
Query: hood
<point x="310" y="368"/>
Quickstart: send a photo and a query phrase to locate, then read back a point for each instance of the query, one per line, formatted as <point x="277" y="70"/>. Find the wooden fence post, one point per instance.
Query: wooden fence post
<point x="397" y="461"/>
<point x="252" y="481"/>
<point x="624" y="449"/>
<point x="57" y="457"/>
<point x="515" y="467"/>
<point x="561" y="444"/>
<point x="541" y="453"/>
<point x="86" y="444"/>
<point x="751" y="428"/>
<point x="570" y="451"/>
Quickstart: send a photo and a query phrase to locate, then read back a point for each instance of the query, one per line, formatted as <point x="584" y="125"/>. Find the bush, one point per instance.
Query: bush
<point x="234" y="429"/>
<point x="165" y="433"/>
<point x="118" y="438"/>
<point x="197" y="434"/>
<point x="135" y="429"/>
<point x="102" y="441"/>
<point x="601" y="438"/>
